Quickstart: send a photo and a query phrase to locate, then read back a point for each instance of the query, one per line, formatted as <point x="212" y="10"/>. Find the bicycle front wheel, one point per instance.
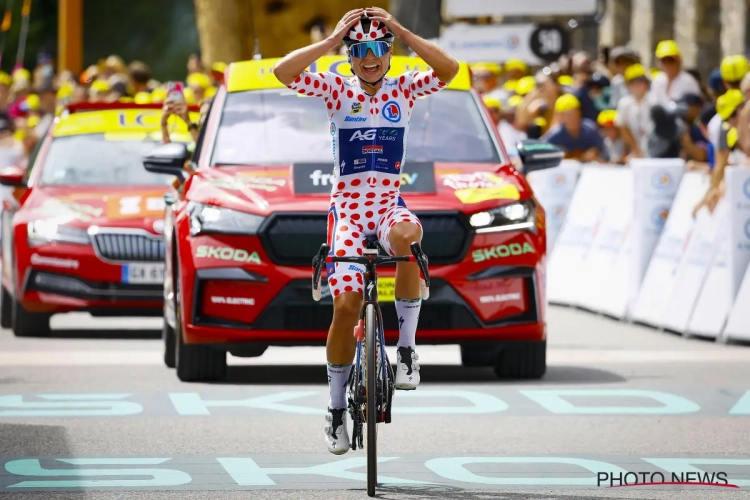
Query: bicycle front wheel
<point x="371" y="335"/>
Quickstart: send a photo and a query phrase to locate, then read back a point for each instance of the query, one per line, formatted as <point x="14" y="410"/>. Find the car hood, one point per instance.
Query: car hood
<point x="84" y="206"/>
<point x="307" y="187"/>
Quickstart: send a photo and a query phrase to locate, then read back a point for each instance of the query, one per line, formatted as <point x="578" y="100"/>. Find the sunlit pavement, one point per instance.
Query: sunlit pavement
<point x="93" y="413"/>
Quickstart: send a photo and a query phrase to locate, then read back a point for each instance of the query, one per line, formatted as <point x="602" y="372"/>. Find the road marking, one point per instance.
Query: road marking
<point x="428" y="355"/>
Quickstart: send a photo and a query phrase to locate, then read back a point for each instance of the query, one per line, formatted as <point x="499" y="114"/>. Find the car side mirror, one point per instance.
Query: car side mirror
<point x="168" y="159"/>
<point x="539" y="155"/>
<point x="12" y="176"/>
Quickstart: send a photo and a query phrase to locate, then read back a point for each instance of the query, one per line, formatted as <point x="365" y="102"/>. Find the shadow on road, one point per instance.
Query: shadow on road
<point x="387" y="492"/>
<point x="104" y="334"/>
<point x="442" y="374"/>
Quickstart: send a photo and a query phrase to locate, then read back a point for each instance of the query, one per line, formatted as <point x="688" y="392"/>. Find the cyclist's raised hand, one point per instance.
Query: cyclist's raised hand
<point x="381" y="15"/>
<point x="346" y="23"/>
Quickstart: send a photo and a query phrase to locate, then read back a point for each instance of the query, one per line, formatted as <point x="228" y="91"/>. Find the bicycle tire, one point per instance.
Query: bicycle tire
<point x="371" y="335"/>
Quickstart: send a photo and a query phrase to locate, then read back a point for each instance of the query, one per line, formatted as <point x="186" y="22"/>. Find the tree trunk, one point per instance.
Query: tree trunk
<point x="221" y="31"/>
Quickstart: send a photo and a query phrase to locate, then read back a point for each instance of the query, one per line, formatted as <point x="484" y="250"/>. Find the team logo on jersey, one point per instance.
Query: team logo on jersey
<point x="392" y="111"/>
<point x="355" y="119"/>
<point x="333" y="129"/>
<point x="372" y="150"/>
<point x="356" y="107"/>
<point x="368" y="135"/>
<point x="360" y="161"/>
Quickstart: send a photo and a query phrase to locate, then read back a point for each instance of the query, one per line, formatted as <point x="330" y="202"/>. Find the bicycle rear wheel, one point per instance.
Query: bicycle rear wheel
<point x="371" y="335"/>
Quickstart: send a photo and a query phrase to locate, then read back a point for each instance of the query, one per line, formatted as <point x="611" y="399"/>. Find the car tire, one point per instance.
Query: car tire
<point x="522" y="360"/>
<point x="195" y="363"/>
<point x="6" y="308"/>
<point x="476" y="355"/>
<point x="27" y="324"/>
<point x="168" y="336"/>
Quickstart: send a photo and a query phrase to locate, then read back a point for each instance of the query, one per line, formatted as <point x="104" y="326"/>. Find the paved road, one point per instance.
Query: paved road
<point x="92" y="413"/>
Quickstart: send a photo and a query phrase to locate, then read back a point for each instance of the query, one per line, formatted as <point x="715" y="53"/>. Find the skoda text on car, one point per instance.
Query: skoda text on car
<point x="241" y="236"/>
<point x="83" y="231"/>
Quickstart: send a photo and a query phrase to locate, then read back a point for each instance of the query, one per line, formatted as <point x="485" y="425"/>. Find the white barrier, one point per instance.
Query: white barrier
<point x="660" y="279"/>
<point x="567" y="258"/>
<point x="738" y="196"/>
<point x="553" y="189"/>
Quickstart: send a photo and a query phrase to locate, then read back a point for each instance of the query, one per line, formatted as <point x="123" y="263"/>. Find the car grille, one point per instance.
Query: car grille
<point x="128" y="247"/>
<point x="293" y="239"/>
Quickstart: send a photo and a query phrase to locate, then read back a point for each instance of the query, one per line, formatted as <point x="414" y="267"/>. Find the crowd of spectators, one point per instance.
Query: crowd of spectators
<point x="613" y="109"/>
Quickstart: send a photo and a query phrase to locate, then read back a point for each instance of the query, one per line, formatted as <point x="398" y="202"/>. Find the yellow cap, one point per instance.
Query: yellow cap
<point x="491" y="101"/>
<point x="510" y="85"/>
<point x="158" y="95"/>
<point x="21" y="74"/>
<point x="654" y="72"/>
<point x="189" y="96"/>
<point x="541" y="122"/>
<point x="525" y="85"/>
<point x="606" y="118"/>
<point x="32" y="121"/>
<point x="515" y="64"/>
<point x="733" y="68"/>
<point x="100" y="86"/>
<point x="5" y="79"/>
<point x="198" y="80"/>
<point x="210" y="92"/>
<point x="219" y="67"/>
<point x="32" y="100"/>
<point x="66" y="90"/>
<point x="487" y="67"/>
<point x="142" y="98"/>
<point x="728" y="103"/>
<point x="567" y="102"/>
<point x="566" y="80"/>
<point x="19" y="135"/>
<point x="634" y="71"/>
<point x="125" y="99"/>
<point x="515" y="101"/>
<point x="732" y="137"/>
<point x="667" y="48"/>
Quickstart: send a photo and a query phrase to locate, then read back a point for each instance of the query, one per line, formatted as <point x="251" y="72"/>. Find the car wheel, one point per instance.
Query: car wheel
<point x="6" y="308"/>
<point x="168" y="336"/>
<point x="473" y="355"/>
<point x="26" y="324"/>
<point x="522" y="360"/>
<point x="195" y="363"/>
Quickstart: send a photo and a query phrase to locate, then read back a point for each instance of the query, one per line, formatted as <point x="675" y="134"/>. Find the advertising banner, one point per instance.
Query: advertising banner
<point x="738" y="324"/>
<point x="602" y="284"/>
<point x="738" y="196"/>
<point x="498" y="8"/>
<point x="567" y="259"/>
<point x="553" y="189"/>
<point x="693" y="268"/>
<point x="660" y="279"/>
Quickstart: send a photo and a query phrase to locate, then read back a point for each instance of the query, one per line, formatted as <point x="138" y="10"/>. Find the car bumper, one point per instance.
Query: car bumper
<point x="292" y="317"/>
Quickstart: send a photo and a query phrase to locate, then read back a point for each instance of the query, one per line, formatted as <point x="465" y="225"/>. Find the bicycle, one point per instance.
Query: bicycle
<point x="371" y="386"/>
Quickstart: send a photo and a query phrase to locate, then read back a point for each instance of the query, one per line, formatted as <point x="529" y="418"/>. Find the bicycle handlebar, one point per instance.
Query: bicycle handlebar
<point x="322" y="258"/>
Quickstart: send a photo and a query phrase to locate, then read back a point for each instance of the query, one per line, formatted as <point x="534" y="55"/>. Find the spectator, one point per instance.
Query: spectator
<point x="139" y="78"/>
<point x="600" y="91"/>
<point x="6" y="82"/>
<point x="582" y="72"/>
<point x="194" y="64"/>
<point x="576" y="136"/>
<point x="11" y="150"/>
<point x="540" y="102"/>
<point x="633" y="111"/>
<point x="663" y="133"/>
<point x="515" y="69"/>
<point x="620" y="58"/>
<point x="113" y="65"/>
<point x="99" y="91"/>
<point x="47" y="107"/>
<point x="217" y="73"/>
<point x="503" y="117"/>
<point x="733" y="70"/>
<point x="673" y="82"/>
<point x="693" y="140"/>
<point x="486" y="77"/>
<point x="614" y="147"/>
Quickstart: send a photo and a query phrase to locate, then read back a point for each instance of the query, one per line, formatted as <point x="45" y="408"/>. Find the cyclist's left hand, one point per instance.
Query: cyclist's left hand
<point x="378" y="14"/>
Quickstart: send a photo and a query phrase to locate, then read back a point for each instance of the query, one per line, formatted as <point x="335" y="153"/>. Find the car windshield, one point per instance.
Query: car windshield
<point x="100" y="160"/>
<point x="280" y="127"/>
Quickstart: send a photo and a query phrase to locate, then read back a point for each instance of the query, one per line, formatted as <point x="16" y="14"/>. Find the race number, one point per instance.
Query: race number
<point x="549" y="42"/>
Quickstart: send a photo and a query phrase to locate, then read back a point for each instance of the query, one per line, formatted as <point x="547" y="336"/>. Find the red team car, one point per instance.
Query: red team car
<point x="246" y="223"/>
<point x="83" y="231"/>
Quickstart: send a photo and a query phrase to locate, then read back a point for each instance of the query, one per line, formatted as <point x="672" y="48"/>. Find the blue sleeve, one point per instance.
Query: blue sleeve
<point x="710" y="157"/>
<point x="588" y="110"/>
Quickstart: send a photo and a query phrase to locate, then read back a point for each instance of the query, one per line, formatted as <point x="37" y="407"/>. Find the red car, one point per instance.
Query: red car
<point x="248" y="219"/>
<point x="83" y="231"/>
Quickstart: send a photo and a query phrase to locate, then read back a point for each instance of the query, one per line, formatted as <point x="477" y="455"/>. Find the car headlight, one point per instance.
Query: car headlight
<point x="212" y="219"/>
<point x="41" y="232"/>
<point x="520" y="216"/>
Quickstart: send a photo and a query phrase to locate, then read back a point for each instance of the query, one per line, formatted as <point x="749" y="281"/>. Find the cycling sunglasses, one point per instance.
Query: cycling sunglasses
<point x="359" y="50"/>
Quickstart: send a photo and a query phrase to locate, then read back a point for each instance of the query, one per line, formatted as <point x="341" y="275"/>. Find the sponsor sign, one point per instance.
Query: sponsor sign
<point x="40" y="260"/>
<point x="256" y="182"/>
<point x="500" y="8"/>
<point x="501" y="251"/>
<point x="315" y="178"/>
<point x="491" y="299"/>
<point x="227" y="254"/>
<point x="386" y="289"/>
<point x="235" y="301"/>
<point x="554" y="189"/>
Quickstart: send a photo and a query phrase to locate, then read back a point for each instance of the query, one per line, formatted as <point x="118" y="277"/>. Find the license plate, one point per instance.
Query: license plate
<point x="386" y="289"/>
<point x="143" y="273"/>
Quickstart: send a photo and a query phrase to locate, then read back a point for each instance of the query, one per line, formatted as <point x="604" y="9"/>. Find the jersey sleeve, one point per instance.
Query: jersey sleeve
<point x="420" y="83"/>
<point x="724" y="138"/>
<point x="316" y="84"/>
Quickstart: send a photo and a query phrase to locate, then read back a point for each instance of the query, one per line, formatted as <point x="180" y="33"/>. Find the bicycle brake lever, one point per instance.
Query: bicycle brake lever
<point x="421" y="258"/>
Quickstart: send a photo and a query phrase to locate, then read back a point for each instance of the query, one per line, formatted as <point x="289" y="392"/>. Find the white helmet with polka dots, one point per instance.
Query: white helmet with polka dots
<point x="368" y="31"/>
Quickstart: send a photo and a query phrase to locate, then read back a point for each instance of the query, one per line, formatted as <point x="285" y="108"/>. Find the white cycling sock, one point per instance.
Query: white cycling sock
<point x="408" y="317"/>
<point x="338" y="376"/>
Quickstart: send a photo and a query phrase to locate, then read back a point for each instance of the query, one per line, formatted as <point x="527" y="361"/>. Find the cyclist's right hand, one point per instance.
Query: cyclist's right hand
<point x="346" y="23"/>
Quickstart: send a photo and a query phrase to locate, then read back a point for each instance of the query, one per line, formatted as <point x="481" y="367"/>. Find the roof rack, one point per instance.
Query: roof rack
<point x="101" y="106"/>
